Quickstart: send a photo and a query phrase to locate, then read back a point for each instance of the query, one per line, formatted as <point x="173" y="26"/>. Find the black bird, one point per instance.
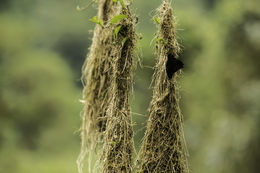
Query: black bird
<point x="172" y="65"/>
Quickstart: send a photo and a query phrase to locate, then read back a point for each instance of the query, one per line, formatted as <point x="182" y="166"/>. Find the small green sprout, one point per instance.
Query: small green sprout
<point x="156" y="20"/>
<point x="124" y="40"/>
<point x="122" y="3"/>
<point x="97" y="21"/>
<point x="117" y="29"/>
<point x="117" y="18"/>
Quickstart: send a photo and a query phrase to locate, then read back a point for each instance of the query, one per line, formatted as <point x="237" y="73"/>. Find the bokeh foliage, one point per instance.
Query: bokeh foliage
<point x="42" y="48"/>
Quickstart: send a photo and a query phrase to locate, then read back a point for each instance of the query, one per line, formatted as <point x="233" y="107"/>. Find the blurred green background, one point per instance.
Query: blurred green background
<point x="43" y="44"/>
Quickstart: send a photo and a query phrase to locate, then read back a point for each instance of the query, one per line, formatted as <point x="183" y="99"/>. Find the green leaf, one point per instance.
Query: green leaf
<point x="124" y="40"/>
<point x="156" y="20"/>
<point x="114" y="0"/>
<point x="117" y="18"/>
<point x="117" y="29"/>
<point x="101" y="22"/>
<point x="122" y="3"/>
<point x="95" y="20"/>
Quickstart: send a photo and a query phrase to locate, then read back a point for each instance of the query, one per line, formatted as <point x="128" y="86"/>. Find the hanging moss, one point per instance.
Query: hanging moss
<point x="96" y="78"/>
<point x="163" y="148"/>
<point x="118" y="143"/>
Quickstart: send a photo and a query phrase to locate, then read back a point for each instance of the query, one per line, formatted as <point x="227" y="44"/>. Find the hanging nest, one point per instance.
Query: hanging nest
<point x="118" y="137"/>
<point x="163" y="148"/>
<point x="97" y="78"/>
